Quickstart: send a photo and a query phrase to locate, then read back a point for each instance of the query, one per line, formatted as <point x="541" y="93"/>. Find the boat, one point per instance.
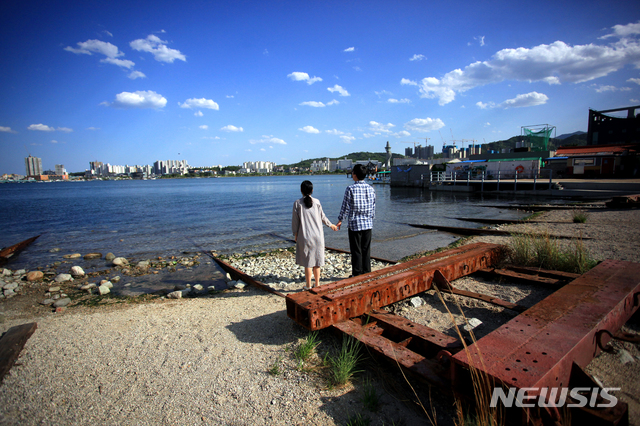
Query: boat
<point x="380" y="177"/>
<point x="8" y="252"/>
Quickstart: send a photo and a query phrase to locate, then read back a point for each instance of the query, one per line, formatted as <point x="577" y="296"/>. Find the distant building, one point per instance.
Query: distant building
<point x="344" y="164"/>
<point x="606" y="129"/>
<point x="257" y="167"/>
<point x="60" y="170"/>
<point x="171" y="167"/>
<point x="420" y="152"/>
<point x="325" y="165"/>
<point x="33" y="166"/>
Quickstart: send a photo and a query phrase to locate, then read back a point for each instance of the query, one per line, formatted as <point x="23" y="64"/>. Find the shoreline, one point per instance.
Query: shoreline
<point x="206" y="360"/>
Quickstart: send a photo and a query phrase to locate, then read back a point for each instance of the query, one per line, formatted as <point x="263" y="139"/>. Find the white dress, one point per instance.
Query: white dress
<point x="306" y="223"/>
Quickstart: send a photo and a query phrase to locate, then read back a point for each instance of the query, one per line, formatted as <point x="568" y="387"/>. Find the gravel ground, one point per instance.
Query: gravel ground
<point x="207" y="360"/>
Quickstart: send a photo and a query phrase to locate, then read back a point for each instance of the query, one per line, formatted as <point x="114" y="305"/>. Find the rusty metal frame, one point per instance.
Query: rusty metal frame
<point x="331" y="304"/>
<point x="542" y="347"/>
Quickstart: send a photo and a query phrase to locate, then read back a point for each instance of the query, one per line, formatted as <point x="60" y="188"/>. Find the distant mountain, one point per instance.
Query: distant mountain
<point x="567" y="135"/>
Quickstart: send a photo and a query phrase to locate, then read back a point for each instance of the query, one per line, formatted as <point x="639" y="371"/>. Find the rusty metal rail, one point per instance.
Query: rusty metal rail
<point x="542" y="347"/>
<point x="331" y="304"/>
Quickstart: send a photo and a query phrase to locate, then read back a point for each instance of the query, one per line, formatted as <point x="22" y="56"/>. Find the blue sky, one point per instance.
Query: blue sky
<point x="225" y="82"/>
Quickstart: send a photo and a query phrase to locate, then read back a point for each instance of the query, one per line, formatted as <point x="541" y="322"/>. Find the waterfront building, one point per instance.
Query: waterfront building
<point x="326" y="165"/>
<point x="344" y="164"/>
<point x="257" y="167"/>
<point x="33" y="166"/>
<point x="614" y="126"/>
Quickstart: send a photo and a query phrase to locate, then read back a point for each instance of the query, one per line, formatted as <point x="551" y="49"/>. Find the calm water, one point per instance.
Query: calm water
<point x="140" y="219"/>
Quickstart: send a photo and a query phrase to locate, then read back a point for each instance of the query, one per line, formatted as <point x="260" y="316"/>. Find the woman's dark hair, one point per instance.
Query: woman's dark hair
<point x="306" y="188"/>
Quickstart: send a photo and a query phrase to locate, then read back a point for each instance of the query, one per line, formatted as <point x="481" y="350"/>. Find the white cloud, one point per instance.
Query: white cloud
<point x="370" y="135"/>
<point x="93" y="128"/>
<point x="520" y="101"/>
<point x="424" y="124"/>
<point x="232" y="128"/>
<point x="198" y="114"/>
<point x="635" y="101"/>
<point x="136" y="74"/>
<point x="139" y="99"/>
<point x="211" y="137"/>
<point x="41" y="128"/>
<point x="382" y="92"/>
<point x="230" y="96"/>
<point x="204" y="127"/>
<point x="349" y="49"/>
<point x="158" y="48"/>
<point x="95" y="46"/>
<point x="334" y="132"/>
<point x="379" y="127"/>
<point x="480" y="40"/>
<point x="399" y="101"/>
<point x="555" y="63"/>
<point x="64" y="129"/>
<point x="268" y="139"/>
<point x="7" y="130"/>
<point x="313" y="104"/>
<point x="109" y="50"/>
<point x="482" y="105"/>
<point x="403" y="133"/>
<point x="407" y="82"/>
<point x="347" y="138"/>
<point x="303" y="76"/>
<point x="54" y="141"/>
<point x="526" y="100"/>
<point x="124" y="63"/>
<point x="602" y="89"/>
<point x="338" y="89"/>
<point x="333" y="102"/>
<point x="309" y="129"/>
<point x="623" y="31"/>
<point x="417" y="57"/>
<point x="199" y="103"/>
<point x="634" y="80"/>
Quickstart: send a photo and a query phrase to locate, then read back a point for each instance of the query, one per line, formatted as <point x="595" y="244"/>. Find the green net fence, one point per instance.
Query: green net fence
<point x="538" y="139"/>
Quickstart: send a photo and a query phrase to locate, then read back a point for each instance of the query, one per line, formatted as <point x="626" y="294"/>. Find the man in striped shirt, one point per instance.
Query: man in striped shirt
<point x="359" y="208"/>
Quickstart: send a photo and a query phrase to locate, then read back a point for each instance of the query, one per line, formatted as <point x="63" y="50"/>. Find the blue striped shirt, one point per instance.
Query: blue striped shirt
<point x="359" y="206"/>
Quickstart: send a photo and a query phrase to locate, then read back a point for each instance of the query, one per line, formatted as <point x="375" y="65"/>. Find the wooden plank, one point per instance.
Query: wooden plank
<point x="11" y="345"/>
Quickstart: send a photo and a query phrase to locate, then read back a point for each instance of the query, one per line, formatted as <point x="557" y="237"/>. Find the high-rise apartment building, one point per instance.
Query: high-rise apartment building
<point x="33" y="166"/>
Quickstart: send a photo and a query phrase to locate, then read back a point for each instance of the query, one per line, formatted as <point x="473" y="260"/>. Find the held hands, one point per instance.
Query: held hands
<point x="338" y="225"/>
<point x="334" y="227"/>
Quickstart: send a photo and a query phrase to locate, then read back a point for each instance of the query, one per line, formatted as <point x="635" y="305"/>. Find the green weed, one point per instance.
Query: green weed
<point x="343" y="366"/>
<point x="580" y="216"/>
<point x="370" y="397"/>
<point x="358" y="420"/>
<point x="307" y="347"/>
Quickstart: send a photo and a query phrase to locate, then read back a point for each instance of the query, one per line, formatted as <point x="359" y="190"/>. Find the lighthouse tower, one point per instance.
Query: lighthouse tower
<point x="387" y="163"/>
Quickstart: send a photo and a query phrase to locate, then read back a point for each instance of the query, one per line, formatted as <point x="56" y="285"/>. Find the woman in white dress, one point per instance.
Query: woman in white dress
<point x="306" y="224"/>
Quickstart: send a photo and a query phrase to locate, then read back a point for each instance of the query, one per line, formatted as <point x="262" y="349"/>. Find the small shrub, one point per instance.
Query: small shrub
<point x="343" y="366"/>
<point x="580" y="216"/>
<point x="307" y="347"/>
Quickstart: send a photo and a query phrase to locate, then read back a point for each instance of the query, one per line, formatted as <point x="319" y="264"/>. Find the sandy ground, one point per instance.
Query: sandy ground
<point x="210" y="360"/>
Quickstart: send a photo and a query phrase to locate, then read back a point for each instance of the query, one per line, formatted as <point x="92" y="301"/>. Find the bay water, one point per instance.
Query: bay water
<point x="145" y="219"/>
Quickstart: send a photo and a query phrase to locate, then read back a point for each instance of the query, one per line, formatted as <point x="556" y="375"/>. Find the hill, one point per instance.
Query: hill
<point x="355" y="156"/>
<point x="570" y="139"/>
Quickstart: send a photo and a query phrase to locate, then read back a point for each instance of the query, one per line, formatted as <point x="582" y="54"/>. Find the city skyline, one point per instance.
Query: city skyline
<point x="226" y="83"/>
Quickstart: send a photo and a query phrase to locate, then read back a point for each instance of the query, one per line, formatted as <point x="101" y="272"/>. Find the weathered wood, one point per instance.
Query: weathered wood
<point x="11" y="345"/>
<point x="8" y="252"/>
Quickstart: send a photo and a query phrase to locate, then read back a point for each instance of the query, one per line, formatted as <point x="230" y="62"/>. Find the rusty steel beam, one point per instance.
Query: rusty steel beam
<point x="352" y="297"/>
<point x="239" y="275"/>
<point x="539" y="348"/>
<point x="413" y="346"/>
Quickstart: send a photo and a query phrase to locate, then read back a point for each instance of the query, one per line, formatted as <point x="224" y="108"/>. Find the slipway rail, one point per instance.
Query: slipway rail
<point x="545" y="346"/>
<point x="330" y="304"/>
<point x="8" y="253"/>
